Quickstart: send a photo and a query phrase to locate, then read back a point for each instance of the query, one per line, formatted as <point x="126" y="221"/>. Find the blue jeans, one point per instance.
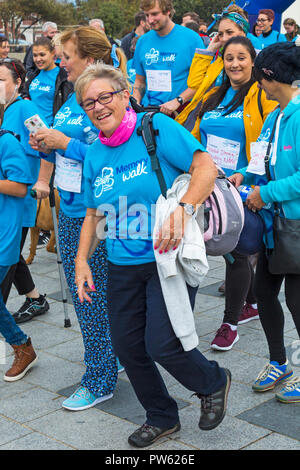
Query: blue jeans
<point x="8" y="327"/>
<point x="142" y="335"/>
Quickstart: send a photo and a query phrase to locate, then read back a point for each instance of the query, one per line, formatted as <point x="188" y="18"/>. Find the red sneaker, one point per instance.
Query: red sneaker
<point x="248" y="313"/>
<point x="225" y="338"/>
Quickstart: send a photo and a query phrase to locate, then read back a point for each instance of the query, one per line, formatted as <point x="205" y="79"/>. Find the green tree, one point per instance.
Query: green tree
<point x="13" y="12"/>
<point x="204" y="8"/>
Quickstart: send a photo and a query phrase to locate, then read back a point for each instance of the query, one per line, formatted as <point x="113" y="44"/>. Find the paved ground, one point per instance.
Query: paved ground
<point x="31" y="416"/>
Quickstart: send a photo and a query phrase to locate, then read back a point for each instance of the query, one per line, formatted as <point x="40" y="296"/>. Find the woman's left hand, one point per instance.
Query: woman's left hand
<point x="52" y="139"/>
<point x="172" y="231"/>
<point x="254" y="201"/>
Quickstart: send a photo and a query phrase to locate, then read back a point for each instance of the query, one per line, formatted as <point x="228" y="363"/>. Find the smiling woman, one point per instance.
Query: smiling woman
<point x="232" y="116"/>
<point x="120" y="183"/>
<point x="47" y="86"/>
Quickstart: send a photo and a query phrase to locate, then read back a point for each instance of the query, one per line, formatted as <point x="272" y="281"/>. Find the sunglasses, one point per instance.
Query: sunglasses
<point x="103" y="98"/>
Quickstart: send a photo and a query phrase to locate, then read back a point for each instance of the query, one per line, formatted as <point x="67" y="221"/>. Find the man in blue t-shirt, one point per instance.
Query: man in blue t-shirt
<point x="162" y="59"/>
<point x="265" y="20"/>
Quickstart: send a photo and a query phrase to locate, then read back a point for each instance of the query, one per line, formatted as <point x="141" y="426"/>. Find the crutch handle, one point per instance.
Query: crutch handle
<point x="33" y="193"/>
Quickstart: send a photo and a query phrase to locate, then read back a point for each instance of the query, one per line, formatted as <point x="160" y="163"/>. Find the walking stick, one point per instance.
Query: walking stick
<point x="67" y="322"/>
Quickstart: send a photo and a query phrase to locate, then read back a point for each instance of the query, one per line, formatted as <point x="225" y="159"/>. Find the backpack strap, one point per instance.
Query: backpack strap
<point x="148" y="133"/>
<point x="4" y="131"/>
<point x="259" y="103"/>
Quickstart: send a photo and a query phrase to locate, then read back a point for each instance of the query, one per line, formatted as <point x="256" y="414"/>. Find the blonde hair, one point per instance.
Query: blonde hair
<point x="100" y="71"/>
<point x="237" y="9"/>
<point x="92" y="43"/>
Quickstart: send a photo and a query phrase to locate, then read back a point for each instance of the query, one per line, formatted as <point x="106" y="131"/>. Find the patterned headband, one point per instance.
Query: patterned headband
<point x="236" y="17"/>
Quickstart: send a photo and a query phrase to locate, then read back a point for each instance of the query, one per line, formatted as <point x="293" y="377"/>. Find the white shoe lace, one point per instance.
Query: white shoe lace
<point x="266" y="371"/>
<point x="292" y="384"/>
<point x="81" y="392"/>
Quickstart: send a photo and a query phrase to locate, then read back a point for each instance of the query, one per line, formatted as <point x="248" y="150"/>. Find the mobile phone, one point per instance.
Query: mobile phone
<point x="34" y="123"/>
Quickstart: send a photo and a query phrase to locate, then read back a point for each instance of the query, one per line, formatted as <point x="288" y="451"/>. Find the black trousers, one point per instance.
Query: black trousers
<point x="267" y="288"/>
<point x="142" y="335"/>
<point x="239" y="287"/>
<point x="18" y="274"/>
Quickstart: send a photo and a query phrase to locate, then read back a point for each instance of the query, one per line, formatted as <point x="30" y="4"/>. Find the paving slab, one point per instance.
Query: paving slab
<point x="275" y="416"/>
<point x="29" y="405"/>
<point x="31" y="415"/>
<point x="36" y="441"/>
<point x="133" y="411"/>
<point x="11" y="431"/>
<point x="231" y="434"/>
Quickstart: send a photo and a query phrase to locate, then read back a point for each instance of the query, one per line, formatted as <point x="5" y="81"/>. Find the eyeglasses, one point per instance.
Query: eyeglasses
<point x="10" y="61"/>
<point x="103" y="98"/>
<point x="261" y="20"/>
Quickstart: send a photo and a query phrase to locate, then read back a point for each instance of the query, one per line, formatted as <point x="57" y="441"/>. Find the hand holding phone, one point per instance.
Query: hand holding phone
<point x="34" y="123"/>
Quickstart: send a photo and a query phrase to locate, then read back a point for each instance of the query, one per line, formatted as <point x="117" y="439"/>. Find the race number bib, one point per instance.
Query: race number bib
<point x="68" y="174"/>
<point x="224" y="152"/>
<point x="159" y="80"/>
<point x="258" y="152"/>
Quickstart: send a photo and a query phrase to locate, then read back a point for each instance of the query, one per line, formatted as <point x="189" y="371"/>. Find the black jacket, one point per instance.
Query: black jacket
<point x="126" y="43"/>
<point x="63" y="88"/>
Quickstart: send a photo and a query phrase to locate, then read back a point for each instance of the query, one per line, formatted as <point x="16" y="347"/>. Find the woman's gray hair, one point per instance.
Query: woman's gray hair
<point x="97" y="71"/>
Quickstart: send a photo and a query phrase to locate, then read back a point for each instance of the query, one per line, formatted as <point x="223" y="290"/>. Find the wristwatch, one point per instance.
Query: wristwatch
<point x="189" y="208"/>
<point x="180" y="100"/>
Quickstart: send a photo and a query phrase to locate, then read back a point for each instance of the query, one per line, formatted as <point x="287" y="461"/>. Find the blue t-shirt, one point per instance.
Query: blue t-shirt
<point x="224" y="135"/>
<point x="119" y="182"/>
<point x="13" y="167"/>
<point x="14" y="117"/>
<point x="131" y="73"/>
<point x="255" y="42"/>
<point x="42" y="91"/>
<point x="165" y="62"/>
<point x="272" y="38"/>
<point x="74" y="123"/>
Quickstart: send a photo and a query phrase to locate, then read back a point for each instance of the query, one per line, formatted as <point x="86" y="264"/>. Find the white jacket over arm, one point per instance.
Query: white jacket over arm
<point x="176" y="268"/>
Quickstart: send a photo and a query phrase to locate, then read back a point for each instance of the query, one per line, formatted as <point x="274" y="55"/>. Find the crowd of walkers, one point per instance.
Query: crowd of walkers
<point x="226" y="105"/>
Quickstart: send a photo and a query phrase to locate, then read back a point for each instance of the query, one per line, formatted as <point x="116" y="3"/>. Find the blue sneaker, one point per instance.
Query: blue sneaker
<point x="82" y="399"/>
<point x="271" y="374"/>
<point x="290" y="392"/>
<point x="120" y="367"/>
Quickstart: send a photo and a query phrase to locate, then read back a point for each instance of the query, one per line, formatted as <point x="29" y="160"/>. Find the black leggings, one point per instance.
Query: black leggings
<point x="267" y="288"/>
<point x="239" y="282"/>
<point x="18" y="274"/>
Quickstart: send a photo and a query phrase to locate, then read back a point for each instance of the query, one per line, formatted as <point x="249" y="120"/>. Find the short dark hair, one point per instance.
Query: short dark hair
<point x="16" y="69"/>
<point x="3" y="38"/>
<point x="140" y="16"/>
<point x="45" y="42"/>
<point x="194" y="16"/>
<point x="193" y="26"/>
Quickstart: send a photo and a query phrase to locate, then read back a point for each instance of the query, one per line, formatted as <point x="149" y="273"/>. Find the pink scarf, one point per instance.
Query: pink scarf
<point x="123" y="132"/>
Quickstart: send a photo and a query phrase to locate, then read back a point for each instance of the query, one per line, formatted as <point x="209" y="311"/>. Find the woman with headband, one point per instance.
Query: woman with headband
<point x="66" y="144"/>
<point x="207" y="66"/>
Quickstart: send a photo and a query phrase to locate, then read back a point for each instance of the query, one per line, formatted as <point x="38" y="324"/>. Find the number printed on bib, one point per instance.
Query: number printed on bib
<point x="224" y="152"/>
<point x="68" y="174"/>
<point x="159" y="80"/>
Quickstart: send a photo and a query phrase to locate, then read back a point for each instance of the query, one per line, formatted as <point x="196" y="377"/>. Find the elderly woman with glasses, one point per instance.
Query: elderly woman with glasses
<point x="66" y="144"/>
<point x="118" y="169"/>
